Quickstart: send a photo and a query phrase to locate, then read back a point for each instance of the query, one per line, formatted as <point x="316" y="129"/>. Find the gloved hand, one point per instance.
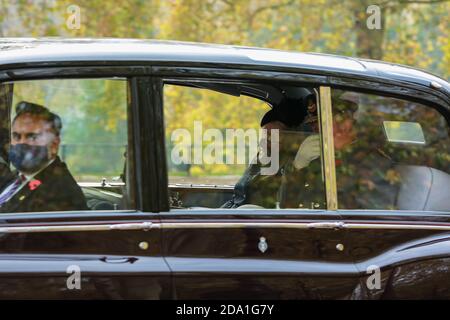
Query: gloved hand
<point x="308" y="151"/>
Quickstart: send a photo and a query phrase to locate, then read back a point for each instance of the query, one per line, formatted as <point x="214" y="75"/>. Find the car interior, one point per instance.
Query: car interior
<point x="421" y="187"/>
<point x="207" y="196"/>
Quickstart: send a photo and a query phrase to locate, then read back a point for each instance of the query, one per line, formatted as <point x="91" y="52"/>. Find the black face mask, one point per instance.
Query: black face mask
<point x="28" y="158"/>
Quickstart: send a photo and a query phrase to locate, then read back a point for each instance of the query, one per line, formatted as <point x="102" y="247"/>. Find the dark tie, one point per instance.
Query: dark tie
<point x="16" y="184"/>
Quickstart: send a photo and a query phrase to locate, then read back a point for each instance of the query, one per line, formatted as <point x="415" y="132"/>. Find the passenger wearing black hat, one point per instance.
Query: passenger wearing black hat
<point x="253" y="187"/>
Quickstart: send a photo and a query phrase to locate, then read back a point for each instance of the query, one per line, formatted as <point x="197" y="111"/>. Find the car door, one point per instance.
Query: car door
<point x="395" y="204"/>
<point x="112" y="249"/>
<point x="249" y="252"/>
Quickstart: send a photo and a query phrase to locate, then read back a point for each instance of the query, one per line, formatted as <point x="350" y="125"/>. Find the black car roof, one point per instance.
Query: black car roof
<point x="16" y="52"/>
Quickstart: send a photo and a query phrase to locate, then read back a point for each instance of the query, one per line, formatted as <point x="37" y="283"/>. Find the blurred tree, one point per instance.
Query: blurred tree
<point x="413" y="32"/>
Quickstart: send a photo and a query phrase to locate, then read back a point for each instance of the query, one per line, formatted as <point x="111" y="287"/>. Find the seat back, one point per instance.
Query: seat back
<point x="423" y="188"/>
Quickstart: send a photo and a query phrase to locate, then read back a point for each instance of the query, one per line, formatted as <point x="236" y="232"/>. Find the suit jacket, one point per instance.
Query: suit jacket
<point x="55" y="190"/>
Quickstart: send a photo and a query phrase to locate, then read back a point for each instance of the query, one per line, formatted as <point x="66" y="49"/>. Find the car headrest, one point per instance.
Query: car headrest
<point x="423" y="188"/>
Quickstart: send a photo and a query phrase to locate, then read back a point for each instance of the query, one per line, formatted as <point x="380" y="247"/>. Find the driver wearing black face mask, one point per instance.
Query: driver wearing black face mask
<point x="43" y="182"/>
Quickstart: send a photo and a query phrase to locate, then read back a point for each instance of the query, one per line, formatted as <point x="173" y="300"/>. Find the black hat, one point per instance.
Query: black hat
<point x="269" y="117"/>
<point x="291" y="112"/>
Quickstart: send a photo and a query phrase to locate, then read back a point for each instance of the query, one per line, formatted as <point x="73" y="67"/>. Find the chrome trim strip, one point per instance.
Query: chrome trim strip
<point x="145" y="226"/>
<point x="326" y="122"/>
<point x="395" y="226"/>
<point x="76" y="228"/>
<point x="223" y="225"/>
<point x="296" y="225"/>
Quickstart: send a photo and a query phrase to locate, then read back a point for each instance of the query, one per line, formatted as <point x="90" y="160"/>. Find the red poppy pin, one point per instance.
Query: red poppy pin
<point x="33" y="184"/>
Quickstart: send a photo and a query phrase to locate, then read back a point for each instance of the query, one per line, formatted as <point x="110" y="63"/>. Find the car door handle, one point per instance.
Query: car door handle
<point x="132" y="226"/>
<point x="118" y="260"/>
<point x="326" y="225"/>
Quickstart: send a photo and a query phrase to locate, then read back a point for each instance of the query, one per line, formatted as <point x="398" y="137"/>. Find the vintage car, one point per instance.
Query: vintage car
<point x="173" y="216"/>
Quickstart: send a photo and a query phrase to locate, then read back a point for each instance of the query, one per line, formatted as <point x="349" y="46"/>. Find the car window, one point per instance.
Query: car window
<point x="64" y="145"/>
<point x="218" y="156"/>
<point x="391" y="154"/>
